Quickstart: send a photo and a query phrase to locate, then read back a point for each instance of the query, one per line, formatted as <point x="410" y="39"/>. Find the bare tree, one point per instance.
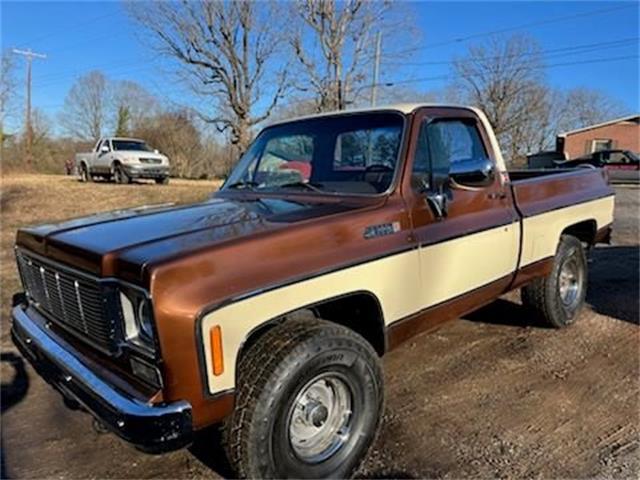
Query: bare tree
<point x="8" y="90"/>
<point x="504" y="77"/>
<point x="342" y="34"/>
<point x="227" y="51"/>
<point x="192" y="153"/>
<point x="85" y="109"/>
<point x="583" y="107"/>
<point x="131" y="105"/>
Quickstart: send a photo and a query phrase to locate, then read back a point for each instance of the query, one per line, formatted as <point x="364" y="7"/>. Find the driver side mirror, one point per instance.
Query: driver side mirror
<point x="104" y="149"/>
<point x="436" y="192"/>
<point x="474" y="172"/>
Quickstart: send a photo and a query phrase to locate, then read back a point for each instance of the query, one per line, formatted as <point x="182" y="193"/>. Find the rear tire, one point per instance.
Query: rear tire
<point x="84" y="174"/>
<point x="558" y="298"/>
<point x="308" y="403"/>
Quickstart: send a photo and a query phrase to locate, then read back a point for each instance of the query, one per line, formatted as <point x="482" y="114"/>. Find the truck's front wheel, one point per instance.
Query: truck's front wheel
<point x="559" y="297"/>
<point x="120" y="176"/>
<point x="308" y="403"/>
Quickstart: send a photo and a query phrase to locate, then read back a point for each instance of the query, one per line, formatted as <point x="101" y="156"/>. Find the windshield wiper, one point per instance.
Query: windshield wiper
<point x="315" y="187"/>
<point x="248" y="184"/>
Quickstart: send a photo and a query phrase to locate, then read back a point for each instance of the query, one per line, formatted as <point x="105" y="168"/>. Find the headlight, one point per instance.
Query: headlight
<point x="137" y="317"/>
<point x="145" y="320"/>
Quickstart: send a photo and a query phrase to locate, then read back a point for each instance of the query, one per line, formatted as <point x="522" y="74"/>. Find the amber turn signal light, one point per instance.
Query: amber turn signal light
<point x="215" y="336"/>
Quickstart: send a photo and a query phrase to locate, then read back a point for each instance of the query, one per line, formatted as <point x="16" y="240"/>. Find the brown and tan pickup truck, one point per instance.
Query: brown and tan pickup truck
<point x="267" y="307"/>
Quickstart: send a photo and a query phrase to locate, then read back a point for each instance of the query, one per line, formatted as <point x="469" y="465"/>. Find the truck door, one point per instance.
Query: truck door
<point x="103" y="159"/>
<point x="470" y="251"/>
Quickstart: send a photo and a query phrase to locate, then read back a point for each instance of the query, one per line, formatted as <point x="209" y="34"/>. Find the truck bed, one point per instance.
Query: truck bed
<point x="549" y="200"/>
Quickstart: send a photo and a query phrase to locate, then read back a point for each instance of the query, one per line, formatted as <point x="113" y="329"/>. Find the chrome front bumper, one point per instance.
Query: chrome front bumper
<point x="151" y="170"/>
<point x="152" y="428"/>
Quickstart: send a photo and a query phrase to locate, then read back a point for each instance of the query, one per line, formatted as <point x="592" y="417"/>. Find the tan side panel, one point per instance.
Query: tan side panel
<point x="452" y="268"/>
<point x="394" y="280"/>
<point x="542" y="232"/>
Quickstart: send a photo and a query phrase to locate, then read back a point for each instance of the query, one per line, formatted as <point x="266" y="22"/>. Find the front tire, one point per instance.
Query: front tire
<point x="162" y="181"/>
<point x="120" y="176"/>
<point x="558" y="298"/>
<point x="308" y="403"/>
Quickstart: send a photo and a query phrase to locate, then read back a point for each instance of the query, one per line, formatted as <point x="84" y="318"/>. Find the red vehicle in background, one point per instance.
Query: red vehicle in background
<point x="623" y="166"/>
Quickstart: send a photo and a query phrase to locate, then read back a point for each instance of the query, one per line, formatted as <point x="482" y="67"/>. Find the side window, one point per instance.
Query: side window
<point x="616" y="157"/>
<point x="105" y="143"/>
<point x="449" y="146"/>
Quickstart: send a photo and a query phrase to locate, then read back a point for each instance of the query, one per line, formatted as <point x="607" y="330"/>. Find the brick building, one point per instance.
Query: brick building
<point x="619" y="134"/>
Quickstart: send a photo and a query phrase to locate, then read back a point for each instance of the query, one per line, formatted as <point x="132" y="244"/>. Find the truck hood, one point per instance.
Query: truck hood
<point x="124" y="243"/>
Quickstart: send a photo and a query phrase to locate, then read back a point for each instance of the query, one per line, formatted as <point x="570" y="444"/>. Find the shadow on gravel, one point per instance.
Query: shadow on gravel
<point x="505" y="312"/>
<point x="12" y="393"/>
<point x="613" y="291"/>
<point x="614" y="282"/>
<point x="207" y="447"/>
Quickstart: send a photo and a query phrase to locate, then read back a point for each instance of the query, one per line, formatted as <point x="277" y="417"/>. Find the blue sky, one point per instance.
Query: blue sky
<point x="81" y="36"/>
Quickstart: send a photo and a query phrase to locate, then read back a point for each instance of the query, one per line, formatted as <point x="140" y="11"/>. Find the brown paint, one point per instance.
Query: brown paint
<point x="527" y="274"/>
<point x="543" y="193"/>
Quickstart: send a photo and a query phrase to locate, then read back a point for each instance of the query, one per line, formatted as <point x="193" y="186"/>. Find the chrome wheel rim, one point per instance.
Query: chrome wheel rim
<point x="570" y="283"/>
<point x="320" y="418"/>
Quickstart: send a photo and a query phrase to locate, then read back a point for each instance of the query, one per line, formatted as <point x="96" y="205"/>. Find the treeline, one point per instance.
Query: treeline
<point x="250" y="63"/>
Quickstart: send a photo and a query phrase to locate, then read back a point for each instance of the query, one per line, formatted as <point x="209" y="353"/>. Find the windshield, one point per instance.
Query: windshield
<point x="130" y="145"/>
<point x="342" y="154"/>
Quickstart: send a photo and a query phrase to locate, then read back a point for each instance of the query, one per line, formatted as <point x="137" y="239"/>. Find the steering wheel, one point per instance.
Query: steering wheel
<point x="378" y="167"/>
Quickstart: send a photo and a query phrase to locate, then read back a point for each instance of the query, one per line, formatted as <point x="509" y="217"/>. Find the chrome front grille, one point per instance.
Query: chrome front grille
<point x="76" y="302"/>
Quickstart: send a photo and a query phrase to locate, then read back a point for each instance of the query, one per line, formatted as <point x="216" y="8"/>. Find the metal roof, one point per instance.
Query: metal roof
<point x="405" y="108"/>
<point x="603" y="124"/>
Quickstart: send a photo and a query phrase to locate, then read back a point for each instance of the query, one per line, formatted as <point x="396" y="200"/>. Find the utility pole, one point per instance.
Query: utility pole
<point x="29" y="55"/>
<point x="376" y="70"/>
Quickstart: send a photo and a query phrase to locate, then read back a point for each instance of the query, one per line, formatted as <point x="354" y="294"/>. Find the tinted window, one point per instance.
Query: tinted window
<point x="130" y="145"/>
<point x="348" y="153"/>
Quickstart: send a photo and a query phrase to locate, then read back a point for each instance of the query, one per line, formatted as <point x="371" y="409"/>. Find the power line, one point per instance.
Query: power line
<point x="576" y="49"/>
<point x="391" y="83"/>
<point x="518" y="27"/>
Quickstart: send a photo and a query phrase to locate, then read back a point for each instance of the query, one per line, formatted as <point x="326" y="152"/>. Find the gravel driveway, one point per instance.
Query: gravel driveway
<point x="490" y="395"/>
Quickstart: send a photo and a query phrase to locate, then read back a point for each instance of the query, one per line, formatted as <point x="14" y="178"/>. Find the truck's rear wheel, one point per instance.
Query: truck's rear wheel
<point x="84" y="174"/>
<point x="308" y="403"/>
<point x="559" y="297"/>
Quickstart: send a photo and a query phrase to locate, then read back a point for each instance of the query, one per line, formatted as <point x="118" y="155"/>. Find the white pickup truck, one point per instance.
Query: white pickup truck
<point x="123" y="159"/>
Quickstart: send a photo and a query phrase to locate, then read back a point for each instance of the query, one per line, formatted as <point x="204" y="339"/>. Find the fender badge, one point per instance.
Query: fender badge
<point x="374" y="231"/>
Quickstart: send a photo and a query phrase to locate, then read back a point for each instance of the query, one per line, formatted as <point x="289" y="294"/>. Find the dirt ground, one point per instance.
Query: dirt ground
<point x="490" y="395"/>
